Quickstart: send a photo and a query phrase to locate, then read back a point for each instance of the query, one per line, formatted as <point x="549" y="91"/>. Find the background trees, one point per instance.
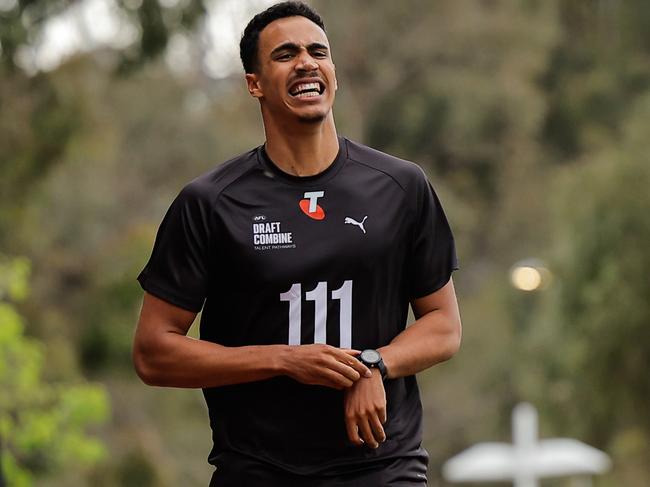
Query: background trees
<point x="42" y="423"/>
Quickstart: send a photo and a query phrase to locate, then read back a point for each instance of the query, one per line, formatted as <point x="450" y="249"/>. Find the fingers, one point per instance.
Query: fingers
<point x="327" y="366"/>
<point x="346" y="370"/>
<point x="331" y="378"/>
<point x="353" y="431"/>
<point x="350" y="351"/>
<point x="360" y="368"/>
<point x="366" y="412"/>
<point x="365" y="430"/>
<point x="366" y="433"/>
<point x="348" y="357"/>
<point x="377" y="429"/>
<point x="347" y="365"/>
<point x="357" y="366"/>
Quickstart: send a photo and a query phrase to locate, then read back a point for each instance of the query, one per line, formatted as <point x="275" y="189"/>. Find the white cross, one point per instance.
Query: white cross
<point x="528" y="459"/>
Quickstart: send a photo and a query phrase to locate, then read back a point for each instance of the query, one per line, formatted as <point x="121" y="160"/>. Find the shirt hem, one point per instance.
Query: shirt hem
<point x="148" y="284"/>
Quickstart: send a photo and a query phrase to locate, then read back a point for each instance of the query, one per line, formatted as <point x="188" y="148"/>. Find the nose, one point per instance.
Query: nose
<point x="306" y="62"/>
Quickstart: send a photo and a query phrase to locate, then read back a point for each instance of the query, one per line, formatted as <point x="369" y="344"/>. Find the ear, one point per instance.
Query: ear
<point x="336" y="81"/>
<point x="253" y="84"/>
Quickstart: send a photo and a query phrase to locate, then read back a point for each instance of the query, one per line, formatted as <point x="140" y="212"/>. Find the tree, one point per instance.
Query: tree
<point x="24" y="21"/>
<point x="592" y="344"/>
<point x="42" y="424"/>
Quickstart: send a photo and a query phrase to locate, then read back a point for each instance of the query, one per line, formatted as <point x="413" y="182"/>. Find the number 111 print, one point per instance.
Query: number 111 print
<point x="319" y="296"/>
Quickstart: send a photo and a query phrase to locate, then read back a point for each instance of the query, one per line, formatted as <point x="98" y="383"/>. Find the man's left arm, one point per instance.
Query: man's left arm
<point x="433" y="338"/>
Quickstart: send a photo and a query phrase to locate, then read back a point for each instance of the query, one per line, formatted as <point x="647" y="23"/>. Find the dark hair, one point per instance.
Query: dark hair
<point x="250" y="39"/>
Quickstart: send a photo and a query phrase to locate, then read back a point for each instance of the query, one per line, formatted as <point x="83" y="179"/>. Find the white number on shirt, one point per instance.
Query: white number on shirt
<point x="319" y="296"/>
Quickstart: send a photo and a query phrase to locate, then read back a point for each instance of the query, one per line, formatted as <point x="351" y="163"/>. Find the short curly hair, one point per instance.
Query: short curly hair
<point x="250" y="39"/>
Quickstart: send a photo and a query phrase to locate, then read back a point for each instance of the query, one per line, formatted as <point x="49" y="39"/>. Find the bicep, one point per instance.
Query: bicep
<point x="443" y="300"/>
<point x="158" y="317"/>
<point x="159" y="320"/>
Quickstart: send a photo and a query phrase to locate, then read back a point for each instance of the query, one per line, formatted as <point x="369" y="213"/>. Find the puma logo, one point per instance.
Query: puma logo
<point x="352" y="221"/>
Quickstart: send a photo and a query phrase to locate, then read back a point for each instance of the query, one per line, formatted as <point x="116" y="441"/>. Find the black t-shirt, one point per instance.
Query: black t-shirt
<point x="279" y="259"/>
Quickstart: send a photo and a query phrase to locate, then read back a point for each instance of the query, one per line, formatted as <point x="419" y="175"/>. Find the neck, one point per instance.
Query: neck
<point x="303" y="149"/>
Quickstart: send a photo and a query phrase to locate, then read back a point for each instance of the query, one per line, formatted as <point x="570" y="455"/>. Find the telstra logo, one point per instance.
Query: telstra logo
<point x="310" y="206"/>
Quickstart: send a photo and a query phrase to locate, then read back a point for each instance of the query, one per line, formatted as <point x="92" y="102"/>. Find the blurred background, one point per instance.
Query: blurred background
<point x="531" y="118"/>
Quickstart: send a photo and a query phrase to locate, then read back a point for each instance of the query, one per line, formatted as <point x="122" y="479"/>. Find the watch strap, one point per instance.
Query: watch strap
<point x="382" y="369"/>
<point x="380" y="365"/>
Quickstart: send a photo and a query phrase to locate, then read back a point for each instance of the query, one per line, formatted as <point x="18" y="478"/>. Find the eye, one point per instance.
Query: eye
<point x="320" y="54"/>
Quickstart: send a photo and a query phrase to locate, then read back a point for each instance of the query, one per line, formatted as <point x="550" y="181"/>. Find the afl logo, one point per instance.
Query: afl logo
<point x="310" y="206"/>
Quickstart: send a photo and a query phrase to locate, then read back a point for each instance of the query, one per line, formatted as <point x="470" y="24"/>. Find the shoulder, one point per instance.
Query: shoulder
<point x="207" y="187"/>
<point x="408" y="175"/>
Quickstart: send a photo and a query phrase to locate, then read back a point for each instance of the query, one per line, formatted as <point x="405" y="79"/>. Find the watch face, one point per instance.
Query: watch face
<point x="370" y="356"/>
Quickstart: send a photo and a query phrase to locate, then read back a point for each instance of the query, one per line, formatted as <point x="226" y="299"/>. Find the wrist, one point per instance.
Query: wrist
<point x="280" y="359"/>
<point x="376" y="373"/>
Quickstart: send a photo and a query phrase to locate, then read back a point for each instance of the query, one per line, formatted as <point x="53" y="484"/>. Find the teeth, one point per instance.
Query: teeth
<point x="306" y="87"/>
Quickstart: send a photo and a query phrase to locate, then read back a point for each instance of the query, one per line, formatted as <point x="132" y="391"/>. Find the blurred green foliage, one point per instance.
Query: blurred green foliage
<point x="594" y="381"/>
<point x="531" y="119"/>
<point x="42" y="424"/>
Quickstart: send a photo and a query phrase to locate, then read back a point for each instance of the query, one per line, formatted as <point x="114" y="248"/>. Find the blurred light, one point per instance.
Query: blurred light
<point x="103" y="23"/>
<point x="178" y="55"/>
<point x="82" y="27"/>
<point x="526" y="278"/>
<point x="530" y="275"/>
<point x="90" y="24"/>
<point x="224" y="27"/>
<point x="6" y="5"/>
<point x="59" y="41"/>
<point x="25" y="58"/>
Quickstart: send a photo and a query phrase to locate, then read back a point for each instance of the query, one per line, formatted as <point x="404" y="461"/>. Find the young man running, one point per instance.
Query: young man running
<point x="304" y="255"/>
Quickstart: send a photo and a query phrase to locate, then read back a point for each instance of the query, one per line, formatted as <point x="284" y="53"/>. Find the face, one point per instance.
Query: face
<point x="295" y="78"/>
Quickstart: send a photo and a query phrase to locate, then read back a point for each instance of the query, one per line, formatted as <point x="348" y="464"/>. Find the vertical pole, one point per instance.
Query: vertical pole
<point x="524" y="439"/>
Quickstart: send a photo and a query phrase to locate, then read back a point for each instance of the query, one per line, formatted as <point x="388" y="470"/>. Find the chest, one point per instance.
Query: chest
<point x="287" y="234"/>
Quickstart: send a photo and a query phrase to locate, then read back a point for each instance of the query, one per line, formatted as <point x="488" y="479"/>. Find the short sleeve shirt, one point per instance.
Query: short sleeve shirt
<point x="333" y="258"/>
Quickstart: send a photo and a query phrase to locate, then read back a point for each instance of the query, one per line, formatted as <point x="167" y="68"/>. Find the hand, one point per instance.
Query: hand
<point x="365" y="411"/>
<point x="324" y="365"/>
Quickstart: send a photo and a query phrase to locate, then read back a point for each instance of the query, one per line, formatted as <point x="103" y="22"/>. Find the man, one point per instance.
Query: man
<point x="302" y="253"/>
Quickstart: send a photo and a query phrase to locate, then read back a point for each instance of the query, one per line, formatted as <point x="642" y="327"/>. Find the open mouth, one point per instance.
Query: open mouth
<point x="307" y="90"/>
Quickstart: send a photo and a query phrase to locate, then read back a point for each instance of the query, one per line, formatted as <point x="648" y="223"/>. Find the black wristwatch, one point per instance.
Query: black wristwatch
<point x="372" y="359"/>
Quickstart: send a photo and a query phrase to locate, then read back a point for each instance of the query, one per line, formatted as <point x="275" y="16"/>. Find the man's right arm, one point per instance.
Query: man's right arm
<point x="164" y="355"/>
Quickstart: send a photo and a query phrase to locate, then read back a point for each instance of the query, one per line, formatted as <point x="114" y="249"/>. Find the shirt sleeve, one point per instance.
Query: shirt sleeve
<point x="178" y="269"/>
<point x="432" y="257"/>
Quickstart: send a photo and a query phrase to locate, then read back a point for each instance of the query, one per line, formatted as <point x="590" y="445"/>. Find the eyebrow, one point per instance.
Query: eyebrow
<point x="292" y="46"/>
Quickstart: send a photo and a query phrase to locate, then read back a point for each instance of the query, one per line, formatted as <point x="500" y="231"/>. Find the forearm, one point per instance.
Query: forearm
<point x="176" y="360"/>
<point x="433" y="338"/>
